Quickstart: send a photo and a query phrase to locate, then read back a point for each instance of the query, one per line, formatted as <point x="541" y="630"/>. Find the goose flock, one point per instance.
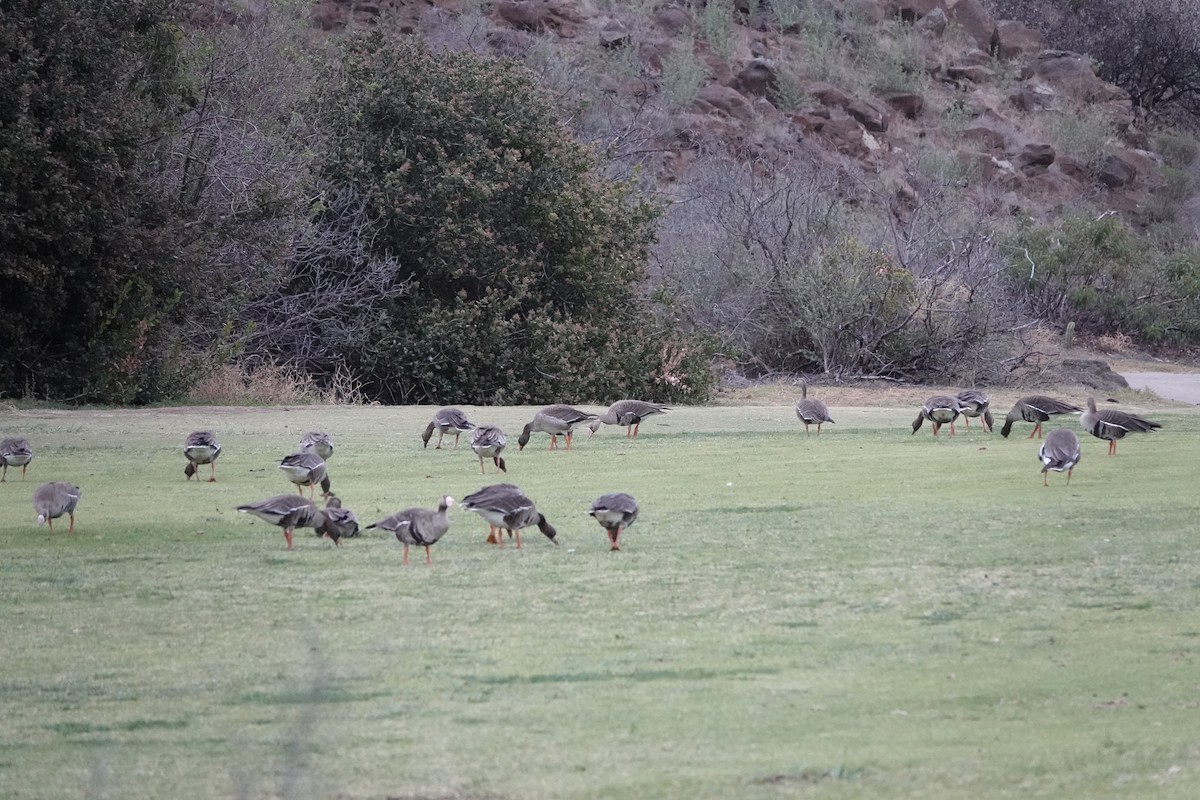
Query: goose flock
<point x="508" y="510"/>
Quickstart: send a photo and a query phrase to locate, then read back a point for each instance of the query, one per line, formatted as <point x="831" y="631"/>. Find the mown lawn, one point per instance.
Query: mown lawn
<point x="867" y="614"/>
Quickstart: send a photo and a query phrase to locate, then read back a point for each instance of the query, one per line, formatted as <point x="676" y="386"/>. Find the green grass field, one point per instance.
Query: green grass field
<point x="867" y="614"/>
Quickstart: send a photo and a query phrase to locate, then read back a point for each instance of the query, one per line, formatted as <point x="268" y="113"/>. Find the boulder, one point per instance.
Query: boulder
<point x="1013" y="39"/>
<point x="970" y="72"/>
<point x="1116" y="171"/>
<point x="614" y="34"/>
<point x="672" y="19"/>
<point x="1072" y="74"/>
<point x="908" y="104"/>
<point x="1034" y="159"/>
<point x="1074" y="168"/>
<point x="1032" y="95"/>
<point x="933" y="24"/>
<point x="757" y="78"/>
<point x="848" y="137"/>
<point x="724" y="100"/>
<point x="911" y="11"/>
<point x="524" y="15"/>
<point x="869" y="115"/>
<point x="829" y="95"/>
<point x="974" y="19"/>
<point x="985" y="135"/>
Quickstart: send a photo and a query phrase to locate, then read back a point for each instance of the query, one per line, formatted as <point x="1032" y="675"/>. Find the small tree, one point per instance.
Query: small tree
<point x="85" y="275"/>
<point x="526" y="265"/>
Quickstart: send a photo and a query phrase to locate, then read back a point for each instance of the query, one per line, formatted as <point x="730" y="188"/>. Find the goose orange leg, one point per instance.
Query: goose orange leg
<point x="518" y="533"/>
<point x="1069" y="476"/>
<point x="1112" y="447"/>
<point x="428" y="560"/>
<point x="287" y="537"/>
<point x="405" y="561"/>
<point x="213" y="477"/>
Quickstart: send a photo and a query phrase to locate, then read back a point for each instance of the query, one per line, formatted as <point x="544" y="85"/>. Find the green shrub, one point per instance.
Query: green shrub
<point x="526" y="265"/>
<point x="1179" y="150"/>
<point x="716" y="26"/>
<point x="682" y="74"/>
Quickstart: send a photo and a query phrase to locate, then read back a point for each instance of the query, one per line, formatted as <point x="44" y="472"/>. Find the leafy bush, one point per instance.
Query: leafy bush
<point x="525" y="264"/>
<point x="682" y="74"/>
<point x="87" y="272"/>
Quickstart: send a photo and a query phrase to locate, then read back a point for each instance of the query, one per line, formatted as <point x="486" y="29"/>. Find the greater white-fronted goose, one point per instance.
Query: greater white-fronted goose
<point x="288" y="512"/>
<point x="1036" y="408"/>
<point x="488" y="442"/>
<point x="556" y="420"/>
<point x="616" y="513"/>
<point x="1111" y="424"/>
<point x="939" y="410"/>
<point x="811" y="411"/>
<point x="418" y="526"/>
<point x="340" y="523"/>
<point x="628" y="413"/>
<point x="15" y="451"/>
<point x="506" y="508"/>
<point x="447" y="420"/>
<point x="201" y="447"/>
<point x="974" y="403"/>
<point x="481" y="497"/>
<point x="306" y="469"/>
<point x="52" y="500"/>
<point x="1060" y="451"/>
<point x="317" y="442"/>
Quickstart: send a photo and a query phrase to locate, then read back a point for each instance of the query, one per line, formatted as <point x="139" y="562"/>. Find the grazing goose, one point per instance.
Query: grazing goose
<point x="1059" y="452"/>
<point x="15" y="452"/>
<point x="52" y="500"/>
<point x="447" y="420"/>
<point x="811" y="411"/>
<point x="628" y="413"/>
<point x="288" y="512"/>
<point x="507" y="508"/>
<point x="555" y="420"/>
<point x="340" y="523"/>
<point x="418" y="526"/>
<point x="200" y="448"/>
<point x="974" y="403"/>
<point x="488" y="441"/>
<point x="317" y="442"/>
<point x="615" y="512"/>
<point x="939" y="409"/>
<point x="471" y="501"/>
<point x="1037" y="409"/>
<point x="1111" y="424"/>
<point x="306" y="469"/>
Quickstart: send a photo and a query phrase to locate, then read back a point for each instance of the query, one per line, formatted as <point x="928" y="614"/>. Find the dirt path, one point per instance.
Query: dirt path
<point x="1181" y="386"/>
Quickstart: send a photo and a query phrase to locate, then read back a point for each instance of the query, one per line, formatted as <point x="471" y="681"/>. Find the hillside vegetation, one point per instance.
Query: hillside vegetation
<point x="538" y="200"/>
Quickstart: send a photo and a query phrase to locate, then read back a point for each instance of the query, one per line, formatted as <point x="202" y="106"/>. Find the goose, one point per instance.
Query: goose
<point x="317" y="442"/>
<point x="482" y="496"/>
<point x="288" y="512"/>
<point x="306" y="469"/>
<point x="52" y="500"/>
<point x="506" y="508"/>
<point x="1112" y="424"/>
<point x="628" y="413"/>
<point x="418" y="526"/>
<point x="340" y="523"/>
<point x="1037" y="409"/>
<point x="939" y="410"/>
<point x="555" y="420"/>
<point x="811" y="411"/>
<point x="488" y="441"/>
<point x="616" y="513"/>
<point x="447" y="420"/>
<point x="15" y="452"/>
<point x="1060" y="451"/>
<point x="201" y="447"/>
<point x="974" y="403"/>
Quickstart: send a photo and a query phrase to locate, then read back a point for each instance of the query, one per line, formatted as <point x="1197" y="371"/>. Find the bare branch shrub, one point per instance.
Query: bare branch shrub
<point x="773" y="260"/>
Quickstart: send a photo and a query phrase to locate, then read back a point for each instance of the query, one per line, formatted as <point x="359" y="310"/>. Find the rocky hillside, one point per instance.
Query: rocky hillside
<point x="886" y="90"/>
